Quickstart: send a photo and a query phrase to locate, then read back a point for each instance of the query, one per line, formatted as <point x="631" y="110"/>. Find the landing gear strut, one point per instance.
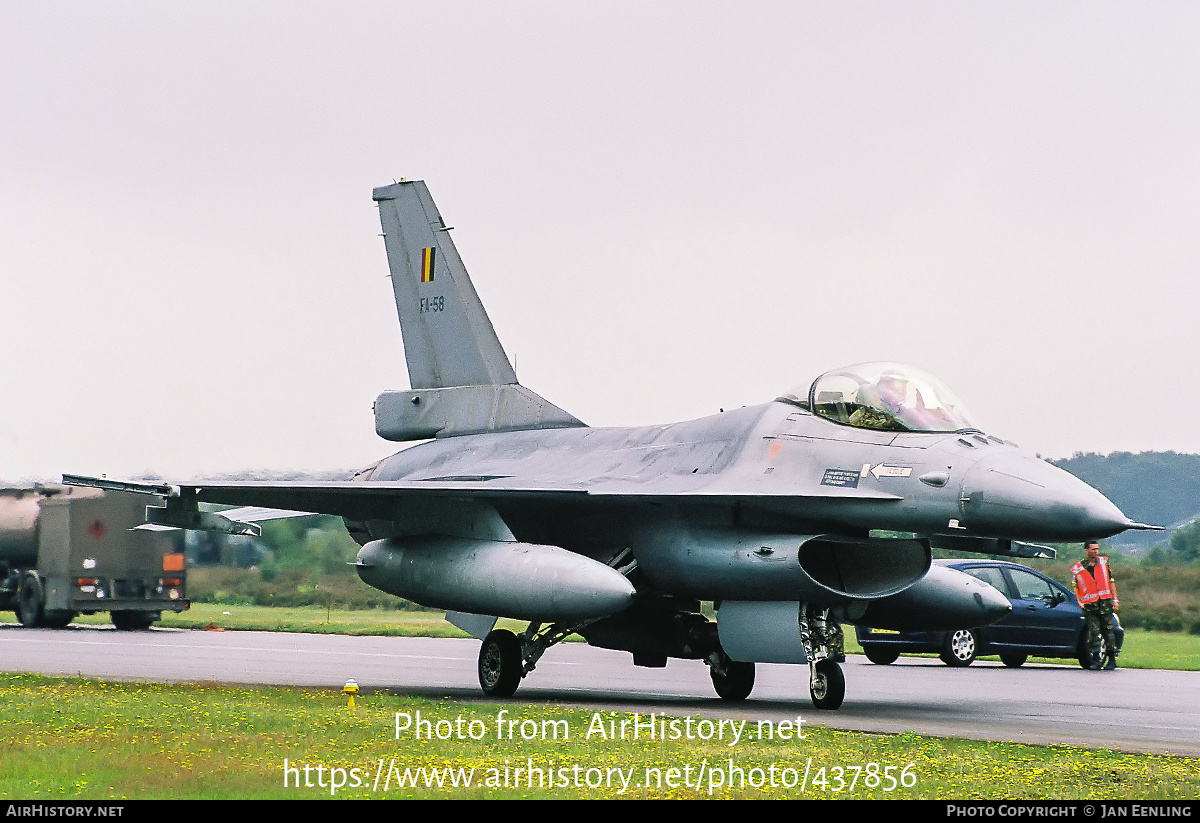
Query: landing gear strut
<point x="826" y="683"/>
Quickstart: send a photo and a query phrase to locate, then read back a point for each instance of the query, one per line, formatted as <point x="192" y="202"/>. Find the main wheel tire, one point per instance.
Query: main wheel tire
<point x="960" y="648"/>
<point x="500" y="664"/>
<point x="736" y="682"/>
<point x="881" y="656"/>
<point x="1013" y="659"/>
<point x="30" y="601"/>
<point x="828" y="688"/>
<point x="131" y="621"/>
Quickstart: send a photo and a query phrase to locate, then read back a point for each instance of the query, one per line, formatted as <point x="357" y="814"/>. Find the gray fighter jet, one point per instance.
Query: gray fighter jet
<point x="791" y="517"/>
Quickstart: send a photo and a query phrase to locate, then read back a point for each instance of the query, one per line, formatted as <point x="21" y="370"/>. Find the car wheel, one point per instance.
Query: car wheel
<point x="1118" y="633"/>
<point x="1085" y="653"/>
<point x="882" y="656"/>
<point x="959" y="649"/>
<point x="500" y="664"/>
<point x="1012" y="659"/>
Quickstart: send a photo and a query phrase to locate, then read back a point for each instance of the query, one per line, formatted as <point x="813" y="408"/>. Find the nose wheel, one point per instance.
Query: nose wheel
<point x="827" y="685"/>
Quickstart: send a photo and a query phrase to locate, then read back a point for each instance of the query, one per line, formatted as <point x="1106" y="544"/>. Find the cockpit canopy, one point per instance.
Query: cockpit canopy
<point x="885" y="397"/>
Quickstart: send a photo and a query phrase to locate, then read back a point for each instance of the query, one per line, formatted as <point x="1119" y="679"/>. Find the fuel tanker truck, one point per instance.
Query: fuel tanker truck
<point x="68" y="551"/>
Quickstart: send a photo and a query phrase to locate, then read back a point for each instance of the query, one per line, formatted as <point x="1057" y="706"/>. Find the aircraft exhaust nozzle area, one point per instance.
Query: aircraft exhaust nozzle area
<point x="1017" y="496"/>
<point x="942" y="600"/>
<point x="525" y="581"/>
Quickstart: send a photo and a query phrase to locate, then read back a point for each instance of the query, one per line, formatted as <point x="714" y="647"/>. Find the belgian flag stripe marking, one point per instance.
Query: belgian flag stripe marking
<point x="428" y="258"/>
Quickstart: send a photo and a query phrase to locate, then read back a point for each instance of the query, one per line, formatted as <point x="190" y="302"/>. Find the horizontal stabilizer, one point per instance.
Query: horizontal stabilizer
<point x="261" y="514"/>
<point x="159" y="489"/>
<point x="446" y="412"/>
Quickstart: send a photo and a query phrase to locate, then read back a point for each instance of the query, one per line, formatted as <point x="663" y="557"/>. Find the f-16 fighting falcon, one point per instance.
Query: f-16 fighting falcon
<point x="817" y="508"/>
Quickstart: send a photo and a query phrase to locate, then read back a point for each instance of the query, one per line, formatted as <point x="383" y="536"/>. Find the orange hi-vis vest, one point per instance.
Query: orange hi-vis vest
<point x="1094" y="585"/>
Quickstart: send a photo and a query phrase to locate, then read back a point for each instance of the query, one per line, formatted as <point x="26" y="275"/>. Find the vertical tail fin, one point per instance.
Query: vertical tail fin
<point x="448" y="338"/>
<point x="461" y="378"/>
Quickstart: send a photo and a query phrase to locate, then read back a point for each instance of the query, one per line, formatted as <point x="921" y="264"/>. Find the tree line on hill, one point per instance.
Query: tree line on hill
<point x="1162" y="488"/>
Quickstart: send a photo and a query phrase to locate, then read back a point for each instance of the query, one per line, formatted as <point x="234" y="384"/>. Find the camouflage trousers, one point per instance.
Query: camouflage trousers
<point x="1099" y="625"/>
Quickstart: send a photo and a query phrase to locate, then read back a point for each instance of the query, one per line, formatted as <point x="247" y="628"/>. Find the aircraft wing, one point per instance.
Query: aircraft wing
<point x="373" y="499"/>
<point x="369" y="499"/>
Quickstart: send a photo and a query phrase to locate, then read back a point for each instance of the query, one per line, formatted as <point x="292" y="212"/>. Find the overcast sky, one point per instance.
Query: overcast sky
<point x="667" y="208"/>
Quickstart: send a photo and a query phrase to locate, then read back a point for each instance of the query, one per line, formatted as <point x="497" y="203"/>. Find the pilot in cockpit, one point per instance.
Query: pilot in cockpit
<point x="885" y="397"/>
<point x="882" y="405"/>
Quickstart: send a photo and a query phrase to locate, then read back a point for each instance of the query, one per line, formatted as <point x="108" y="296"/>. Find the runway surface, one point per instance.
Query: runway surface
<point x="1129" y="709"/>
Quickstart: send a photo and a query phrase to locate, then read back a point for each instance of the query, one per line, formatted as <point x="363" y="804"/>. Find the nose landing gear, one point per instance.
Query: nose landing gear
<point x="826" y="683"/>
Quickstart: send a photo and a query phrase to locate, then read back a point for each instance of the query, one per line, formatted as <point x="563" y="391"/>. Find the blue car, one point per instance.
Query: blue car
<point x="1046" y="621"/>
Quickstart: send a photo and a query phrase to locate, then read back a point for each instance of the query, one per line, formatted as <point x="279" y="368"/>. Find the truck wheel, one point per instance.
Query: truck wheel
<point x="57" y="618"/>
<point x="128" y="621"/>
<point x="30" y="602"/>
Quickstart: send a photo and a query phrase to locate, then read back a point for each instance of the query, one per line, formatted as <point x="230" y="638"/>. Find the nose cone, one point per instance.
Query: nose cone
<point x="1016" y="496"/>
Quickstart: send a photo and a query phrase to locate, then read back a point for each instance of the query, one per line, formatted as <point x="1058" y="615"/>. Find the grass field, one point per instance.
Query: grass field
<point x="1143" y="650"/>
<point x="84" y="739"/>
<point x="96" y="740"/>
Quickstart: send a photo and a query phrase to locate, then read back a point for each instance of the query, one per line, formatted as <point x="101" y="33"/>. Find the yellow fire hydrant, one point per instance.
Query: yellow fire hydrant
<point x="350" y="689"/>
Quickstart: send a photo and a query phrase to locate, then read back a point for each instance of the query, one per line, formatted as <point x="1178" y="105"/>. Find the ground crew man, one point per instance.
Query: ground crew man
<point x="1097" y="595"/>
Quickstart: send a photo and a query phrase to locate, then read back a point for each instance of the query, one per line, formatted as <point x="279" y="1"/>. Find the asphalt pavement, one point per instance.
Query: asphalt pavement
<point x="1129" y="709"/>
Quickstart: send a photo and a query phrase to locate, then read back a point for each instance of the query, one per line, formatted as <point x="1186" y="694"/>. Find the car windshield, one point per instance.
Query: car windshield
<point x="886" y="397"/>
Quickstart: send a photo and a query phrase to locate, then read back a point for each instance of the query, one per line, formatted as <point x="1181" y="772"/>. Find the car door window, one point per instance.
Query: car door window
<point x="1031" y="587"/>
<point x="991" y="576"/>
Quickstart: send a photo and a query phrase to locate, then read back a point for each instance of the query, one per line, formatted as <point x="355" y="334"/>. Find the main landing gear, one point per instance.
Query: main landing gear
<point x="500" y="665"/>
<point x="505" y="658"/>
<point x="732" y="679"/>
